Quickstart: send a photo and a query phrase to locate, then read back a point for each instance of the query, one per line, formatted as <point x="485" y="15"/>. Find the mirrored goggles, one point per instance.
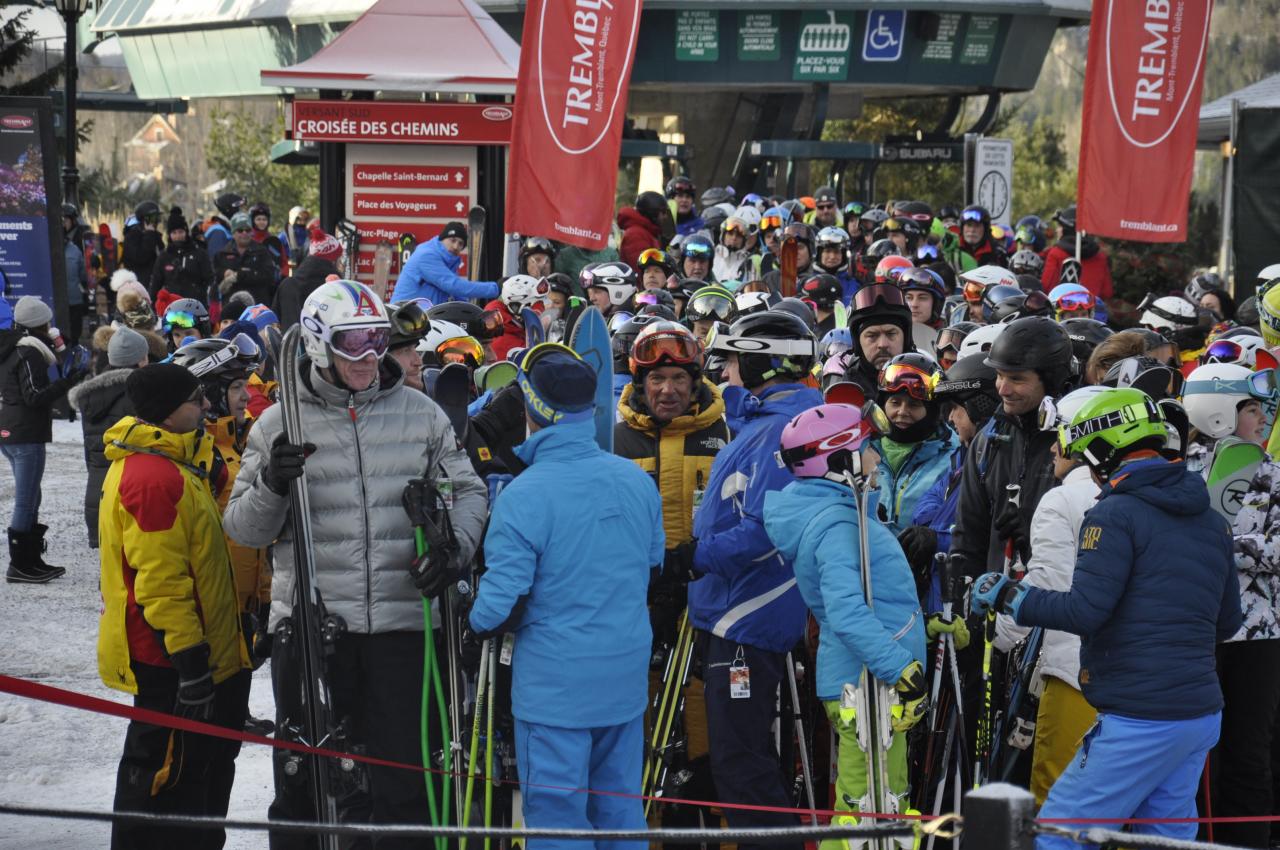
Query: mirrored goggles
<point x="771" y="222"/>
<point x="676" y="349"/>
<point x="462" y="349"/>
<point x="867" y="296"/>
<point x="1075" y="301"/>
<point x="971" y="215"/>
<point x="973" y="291"/>
<point x="652" y="257"/>
<point x="359" y="343"/>
<point x="697" y="250"/>
<point x="903" y="377"/>
<point x="711" y="305"/>
<point x="180" y="319"/>
<point x="1259" y="385"/>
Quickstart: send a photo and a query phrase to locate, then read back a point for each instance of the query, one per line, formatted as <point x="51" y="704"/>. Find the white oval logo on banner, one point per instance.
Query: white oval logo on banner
<point x="497" y="113"/>
<point x="17" y="122"/>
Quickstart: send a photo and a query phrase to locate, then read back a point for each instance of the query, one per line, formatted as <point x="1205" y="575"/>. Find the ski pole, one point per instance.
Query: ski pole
<point x="800" y="739"/>
<point x="488" y="743"/>
<point x="986" y="721"/>
<point x="430" y="677"/>
<point x="482" y="687"/>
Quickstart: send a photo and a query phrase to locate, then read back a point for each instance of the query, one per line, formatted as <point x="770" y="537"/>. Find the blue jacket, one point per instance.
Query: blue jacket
<point x="77" y="277"/>
<point x="901" y="490"/>
<point x="583" y="639"/>
<point x="1154" y="590"/>
<point x="814" y="523"/>
<point x="216" y="237"/>
<point x="937" y="510"/>
<point x="849" y="285"/>
<point x="431" y="273"/>
<point x="748" y="590"/>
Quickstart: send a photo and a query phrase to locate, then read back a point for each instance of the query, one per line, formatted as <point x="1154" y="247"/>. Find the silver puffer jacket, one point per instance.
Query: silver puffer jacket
<point x="368" y="445"/>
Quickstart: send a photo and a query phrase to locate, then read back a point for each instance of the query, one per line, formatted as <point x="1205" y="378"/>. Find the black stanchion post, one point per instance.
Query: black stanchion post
<point x="998" y="816"/>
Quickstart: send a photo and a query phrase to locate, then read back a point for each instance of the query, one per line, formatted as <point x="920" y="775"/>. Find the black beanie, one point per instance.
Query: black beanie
<point x="176" y="220"/>
<point x="159" y="389"/>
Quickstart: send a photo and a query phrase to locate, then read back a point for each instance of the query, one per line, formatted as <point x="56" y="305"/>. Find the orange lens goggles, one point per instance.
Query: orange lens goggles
<point x="676" y="349"/>
<point x="462" y="349"/>
<point x="900" y="377"/>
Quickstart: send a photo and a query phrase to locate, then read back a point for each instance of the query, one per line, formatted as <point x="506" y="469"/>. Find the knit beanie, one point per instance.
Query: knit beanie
<point x="233" y="308"/>
<point x="126" y="348"/>
<point x="323" y="245"/>
<point x="558" y="387"/>
<point x="159" y="389"/>
<point x="176" y="220"/>
<point x="31" y="312"/>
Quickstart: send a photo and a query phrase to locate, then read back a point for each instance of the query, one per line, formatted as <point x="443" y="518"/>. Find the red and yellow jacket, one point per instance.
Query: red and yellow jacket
<point x="166" y="580"/>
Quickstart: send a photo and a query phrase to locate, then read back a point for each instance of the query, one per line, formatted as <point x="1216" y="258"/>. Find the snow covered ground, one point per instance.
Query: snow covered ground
<point x="62" y="757"/>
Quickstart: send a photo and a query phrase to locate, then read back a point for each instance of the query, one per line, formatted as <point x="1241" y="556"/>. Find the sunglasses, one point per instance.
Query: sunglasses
<point x="244" y="230"/>
<point x="358" y="343"/>
<point x="869" y="296"/>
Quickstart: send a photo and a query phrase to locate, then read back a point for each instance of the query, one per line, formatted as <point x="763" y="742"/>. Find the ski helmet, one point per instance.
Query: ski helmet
<point x="616" y="278"/>
<point x="651" y="205"/>
<point x="1026" y="262"/>
<point x="916" y="374"/>
<point x="219" y="363"/>
<point x="147" y="212"/>
<point x="1213" y="394"/>
<point x="1201" y="284"/>
<point x="824" y="441"/>
<point x="1246" y="349"/>
<point x="479" y="323"/>
<point x="746" y="303"/>
<point x="888" y="269"/>
<point x="1031" y="230"/>
<point x="711" y="302"/>
<point x="187" y="313"/>
<point x="680" y="185"/>
<point x="823" y="290"/>
<point x="971" y="383"/>
<point x="750" y="218"/>
<point x="1167" y="313"/>
<point x="409" y="323"/>
<point x="800" y="310"/>
<point x="520" y="291"/>
<point x="260" y="208"/>
<point x="536" y="245"/>
<point x="1035" y="343"/>
<point x="1110" y="425"/>
<point x="832" y="237"/>
<point x="1069" y="298"/>
<point x="980" y="341"/>
<point x="344" y="318"/>
<point x="836" y="341"/>
<point x="1145" y="373"/>
<point x="924" y="280"/>
<point x="1268" y="307"/>
<point x="665" y="343"/>
<point x="1086" y="335"/>
<point x="623" y="337"/>
<point x="946" y="346"/>
<point x="771" y="344"/>
<point x="994" y="296"/>
<point x="447" y="343"/>
<point x="229" y="203"/>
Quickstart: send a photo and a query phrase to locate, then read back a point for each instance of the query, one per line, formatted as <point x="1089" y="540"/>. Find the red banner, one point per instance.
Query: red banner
<point x="1141" y="110"/>
<point x="399" y="123"/>
<point x="575" y="64"/>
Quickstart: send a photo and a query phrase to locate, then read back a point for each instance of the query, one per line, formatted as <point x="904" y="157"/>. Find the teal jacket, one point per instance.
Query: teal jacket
<point x="901" y="490"/>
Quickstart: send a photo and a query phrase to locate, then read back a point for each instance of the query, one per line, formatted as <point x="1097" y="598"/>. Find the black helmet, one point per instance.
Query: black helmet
<point x="1037" y="343"/>
<point x="917" y="212"/>
<point x="971" y="383"/>
<point x="654" y="298"/>
<point x="229" y="203"/>
<point x="409" y="323"/>
<point x="976" y="212"/>
<point x="1024" y="304"/>
<point x="1156" y="379"/>
<point x="680" y="185"/>
<point x="147" y="210"/>
<point x="1086" y="335"/>
<point x="468" y="316"/>
<point x="877" y="251"/>
<point x="1066" y="217"/>
<point x="536" y="245"/>
<point x="625" y="336"/>
<point x="651" y="205"/>
<point x="260" y="208"/>
<point x="823" y="289"/>
<point x="771" y="344"/>
<point x="561" y="283"/>
<point x="947" y="211"/>
<point x="70" y="211"/>
<point x="798" y="308"/>
<point x="996" y="295"/>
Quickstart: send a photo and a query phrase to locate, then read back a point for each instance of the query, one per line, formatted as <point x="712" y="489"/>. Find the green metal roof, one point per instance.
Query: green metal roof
<point x="128" y="16"/>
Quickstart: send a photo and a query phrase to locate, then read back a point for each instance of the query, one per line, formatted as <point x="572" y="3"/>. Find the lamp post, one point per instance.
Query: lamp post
<point x="71" y="11"/>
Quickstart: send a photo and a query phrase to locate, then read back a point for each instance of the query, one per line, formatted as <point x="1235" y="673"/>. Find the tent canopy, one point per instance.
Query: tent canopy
<point x="1215" y="116"/>
<point x="412" y="46"/>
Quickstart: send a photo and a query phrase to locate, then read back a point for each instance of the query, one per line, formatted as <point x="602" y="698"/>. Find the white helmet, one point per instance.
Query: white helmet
<point x="752" y="302"/>
<point x="1239" y="348"/>
<point x="344" y="318"/>
<point x="749" y="215"/>
<point x="441" y="332"/>
<point x="1271" y="271"/>
<point x="980" y="341"/>
<point x="464" y="344"/>
<point x="522" y="290"/>
<point x="616" y="278"/>
<point x="1213" y="393"/>
<point x="990" y="276"/>
<point x="1172" y="312"/>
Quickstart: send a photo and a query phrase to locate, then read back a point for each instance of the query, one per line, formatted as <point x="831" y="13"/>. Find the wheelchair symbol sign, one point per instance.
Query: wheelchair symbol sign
<point x="885" y="33"/>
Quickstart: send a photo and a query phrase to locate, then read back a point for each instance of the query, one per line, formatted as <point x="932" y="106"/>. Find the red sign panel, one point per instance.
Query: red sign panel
<point x="449" y="207"/>
<point x="400" y="123"/>
<point x="1141" y="109"/>
<point x="575" y="62"/>
<point x="410" y="177"/>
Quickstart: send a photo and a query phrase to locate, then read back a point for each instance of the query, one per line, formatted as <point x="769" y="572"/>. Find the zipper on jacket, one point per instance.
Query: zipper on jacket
<point x="364" y="509"/>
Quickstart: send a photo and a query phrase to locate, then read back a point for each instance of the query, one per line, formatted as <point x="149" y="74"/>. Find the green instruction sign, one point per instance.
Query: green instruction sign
<point x="697" y="36"/>
<point x="822" y="50"/>
<point x="943" y="48"/>
<point x="980" y="40"/>
<point x="759" y="37"/>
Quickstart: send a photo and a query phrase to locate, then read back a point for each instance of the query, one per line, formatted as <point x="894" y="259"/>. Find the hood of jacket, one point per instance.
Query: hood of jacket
<point x="631" y="217"/>
<point x="450" y="260"/>
<point x="790" y="509"/>
<point x="99" y="391"/>
<point x="314" y="269"/>
<point x="779" y="400"/>
<point x="129" y="436"/>
<point x="707" y="406"/>
<point x="1166" y="485"/>
<point x="566" y="441"/>
<point x="9" y="341"/>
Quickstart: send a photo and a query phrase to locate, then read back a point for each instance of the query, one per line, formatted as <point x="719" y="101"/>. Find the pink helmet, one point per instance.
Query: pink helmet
<point x="812" y="439"/>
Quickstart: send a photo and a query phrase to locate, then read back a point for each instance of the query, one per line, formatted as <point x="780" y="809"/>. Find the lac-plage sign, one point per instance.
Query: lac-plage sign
<point x="571" y="96"/>
<point x="1141" y="109"/>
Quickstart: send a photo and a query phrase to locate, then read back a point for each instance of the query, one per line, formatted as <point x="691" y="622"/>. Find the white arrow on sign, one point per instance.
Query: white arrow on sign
<point x="460" y="206"/>
<point x="459" y="176"/>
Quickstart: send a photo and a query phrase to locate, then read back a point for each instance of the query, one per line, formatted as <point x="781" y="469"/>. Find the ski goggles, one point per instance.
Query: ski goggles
<point x="886" y="293"/>
<point x="650" y="296"/>
<point x="617" y="320"/>
<point x="461" y="349"/>
<point x="1071" y="301"/>
<point x="696" y="250"/>
<point x="971" y="215"/>
<point x="855" y="208"/>
<point x="948" y="342"/>
<point x="537" y="245"/>
<point x="915" y="382"/>
<point x="495" y="376"/>
<point x="973" y="291"/>
<point x="711" y="305"/>
<point x="652" y="257"/>
<point x="358" y="343"/>
<point x="771" y="222"/>
<point x="242" y="351"/>
<point x="734" y="225"/>
<point x="410" y="320"/>
<point x="1230" y="351"/>
<point x="928" y="251"/>
<point x="1259" y="385"/>
<point x="668" y="347"/>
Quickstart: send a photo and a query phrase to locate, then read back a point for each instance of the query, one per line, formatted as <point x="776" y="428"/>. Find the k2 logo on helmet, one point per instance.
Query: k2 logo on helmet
<point x="1090" y="536"/>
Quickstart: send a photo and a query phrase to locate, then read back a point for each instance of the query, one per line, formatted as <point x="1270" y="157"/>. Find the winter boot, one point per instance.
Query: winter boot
<point x="24" y="563"/>
<point x="39" y="547"/>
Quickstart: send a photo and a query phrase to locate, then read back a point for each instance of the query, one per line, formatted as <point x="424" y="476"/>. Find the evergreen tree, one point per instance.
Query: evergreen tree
<point x="16" y="43"/>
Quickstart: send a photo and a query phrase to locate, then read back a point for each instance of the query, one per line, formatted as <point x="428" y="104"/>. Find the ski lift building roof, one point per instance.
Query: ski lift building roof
<point x="1215" y="116"/>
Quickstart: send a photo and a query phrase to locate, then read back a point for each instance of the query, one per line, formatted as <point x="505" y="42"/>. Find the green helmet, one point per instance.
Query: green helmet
<point x="1111" y="425"/>
<point x="1269" y="311"/>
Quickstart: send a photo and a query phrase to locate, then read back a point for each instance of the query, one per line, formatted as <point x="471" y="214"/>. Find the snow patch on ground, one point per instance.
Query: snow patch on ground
<point x="63" y="757"/>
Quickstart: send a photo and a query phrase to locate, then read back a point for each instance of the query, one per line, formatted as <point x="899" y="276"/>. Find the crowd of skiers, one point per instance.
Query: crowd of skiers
<point x="865" y="457"/>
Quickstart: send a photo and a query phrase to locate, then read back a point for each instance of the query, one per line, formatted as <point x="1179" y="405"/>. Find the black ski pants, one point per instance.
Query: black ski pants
<point x="376" y="684"/>
<point x="1249" y="672"/>
<point x="164" y="771"/>
<point x="744" y="760"/>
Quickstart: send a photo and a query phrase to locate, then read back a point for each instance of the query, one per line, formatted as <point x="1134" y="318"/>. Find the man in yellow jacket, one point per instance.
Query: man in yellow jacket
<point x="170" y="630"/>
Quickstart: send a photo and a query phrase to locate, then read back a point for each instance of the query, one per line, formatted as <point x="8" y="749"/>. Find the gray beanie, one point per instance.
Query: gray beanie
<point x="31" y="312"/>
<point x="126" y="348"/>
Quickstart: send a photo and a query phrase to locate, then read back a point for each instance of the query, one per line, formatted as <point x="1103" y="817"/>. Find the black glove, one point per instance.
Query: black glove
<point x="261" y="639"/>
<point x="919" y="543"/>
<point x="195" y="683"/>
<point x="677" y="563"/>
<point x="284" y="464"/>
<point x="433" y="572"/>
<point x="1011" y="525"/>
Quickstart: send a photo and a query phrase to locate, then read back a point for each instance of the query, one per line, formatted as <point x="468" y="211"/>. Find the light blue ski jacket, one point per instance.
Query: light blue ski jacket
<point x="432" y="273"/>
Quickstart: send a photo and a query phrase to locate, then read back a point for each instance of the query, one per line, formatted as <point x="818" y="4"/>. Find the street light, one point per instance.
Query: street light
<point x="71" y="11"/>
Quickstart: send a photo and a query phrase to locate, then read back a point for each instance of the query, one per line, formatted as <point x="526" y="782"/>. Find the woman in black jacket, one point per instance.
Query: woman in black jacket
<point x="183" y="270"/>
<point x="102" y="402"/>
<point x="26" y="425"/>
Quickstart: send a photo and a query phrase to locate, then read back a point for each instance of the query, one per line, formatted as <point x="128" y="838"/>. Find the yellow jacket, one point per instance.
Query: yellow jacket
<point x="166" y="581"/>
<point x="252" y="569"/>
<point x="678" y="455"/>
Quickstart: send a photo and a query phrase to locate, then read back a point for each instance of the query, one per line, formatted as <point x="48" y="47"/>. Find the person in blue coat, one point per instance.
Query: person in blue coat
<point x="574" y="594"/>
<point x="432" y="271"/>
<point x="1153" y="592"/>
<point x="814" y="521"/>
<point x="745" y="603"/>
